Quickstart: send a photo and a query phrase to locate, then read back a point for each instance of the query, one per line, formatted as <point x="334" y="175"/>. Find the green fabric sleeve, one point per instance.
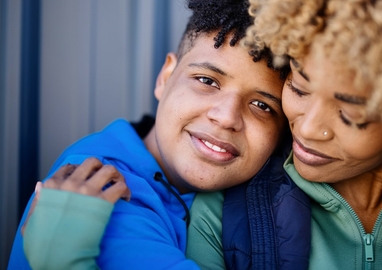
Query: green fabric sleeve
<point x="204" y="236"/>
<point x="65" y="230"/>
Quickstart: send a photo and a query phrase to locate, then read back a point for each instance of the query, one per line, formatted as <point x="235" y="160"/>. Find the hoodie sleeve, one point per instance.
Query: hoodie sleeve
<point x="17" y="259"/>
<point x="73" y="231"/>
<point x="65" y="233"/>
<point x="65" y="230"/>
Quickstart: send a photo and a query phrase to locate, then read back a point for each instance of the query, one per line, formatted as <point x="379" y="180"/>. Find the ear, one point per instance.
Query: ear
<point x="167" y="69"/>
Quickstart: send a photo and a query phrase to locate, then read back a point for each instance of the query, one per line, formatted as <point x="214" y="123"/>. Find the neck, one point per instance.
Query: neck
<point x="151" y="144"/>
<point x="364" y="195"/>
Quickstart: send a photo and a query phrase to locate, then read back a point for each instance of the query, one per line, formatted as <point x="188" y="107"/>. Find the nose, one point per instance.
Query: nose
<point x="227" y="112"/>
<point x="315" y="122"/>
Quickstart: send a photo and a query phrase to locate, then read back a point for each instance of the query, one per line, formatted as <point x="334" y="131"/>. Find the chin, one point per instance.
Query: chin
<point x="309" y="175"/>
<point x="203" y="187"/>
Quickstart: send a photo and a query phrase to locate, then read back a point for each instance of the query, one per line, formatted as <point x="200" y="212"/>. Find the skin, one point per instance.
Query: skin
<point x="220" y="96"/>
<point x="349" y="155"/>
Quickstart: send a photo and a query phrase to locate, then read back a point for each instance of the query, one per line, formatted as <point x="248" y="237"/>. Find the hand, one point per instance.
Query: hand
<point x="89" y="179"/>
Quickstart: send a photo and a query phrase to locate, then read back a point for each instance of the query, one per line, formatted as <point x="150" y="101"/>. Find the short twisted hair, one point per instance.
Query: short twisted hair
<point x="349" y="32"/>
<point x="230" y="18"/>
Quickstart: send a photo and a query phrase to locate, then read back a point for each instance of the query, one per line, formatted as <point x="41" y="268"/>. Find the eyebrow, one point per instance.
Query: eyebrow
<point x="209" y="66"/>
<point x="350" y="99"/>
<point x="299" y="69"/>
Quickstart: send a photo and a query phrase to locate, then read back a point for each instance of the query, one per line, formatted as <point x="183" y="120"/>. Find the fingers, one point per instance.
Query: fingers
<point x="90" y="178"/>
<point x="105" y="175"/>
<point x="86" y="169"/>
<point x="59" y="176"/>
<point x="117" y="191"/>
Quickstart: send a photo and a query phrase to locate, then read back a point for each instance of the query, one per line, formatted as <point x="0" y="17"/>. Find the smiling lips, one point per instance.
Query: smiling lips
<point x="309" y="156"/>
<point x="213" y="149"/>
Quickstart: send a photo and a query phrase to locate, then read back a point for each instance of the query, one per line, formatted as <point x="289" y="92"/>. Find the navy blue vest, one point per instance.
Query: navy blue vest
<point x="266" y="222"/>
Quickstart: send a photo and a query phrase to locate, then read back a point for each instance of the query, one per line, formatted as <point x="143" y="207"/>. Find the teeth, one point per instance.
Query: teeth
<point x="214" y="147"/>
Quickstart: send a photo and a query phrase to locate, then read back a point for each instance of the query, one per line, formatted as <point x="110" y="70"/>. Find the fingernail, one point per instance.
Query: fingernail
<point x="38" y="187"/>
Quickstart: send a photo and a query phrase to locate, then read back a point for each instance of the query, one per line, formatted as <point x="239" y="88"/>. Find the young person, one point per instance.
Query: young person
<point x="218" y="121"/>
<point x="332" y="100"/>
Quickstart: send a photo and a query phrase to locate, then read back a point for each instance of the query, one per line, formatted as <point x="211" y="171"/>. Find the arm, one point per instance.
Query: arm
<point x="138" y="235"/>
<point x="63" y="232"/>
<point x="65" y="228"/>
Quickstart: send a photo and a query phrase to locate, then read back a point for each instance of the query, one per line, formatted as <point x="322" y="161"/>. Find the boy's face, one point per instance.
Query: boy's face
<point x="219" y="116"/>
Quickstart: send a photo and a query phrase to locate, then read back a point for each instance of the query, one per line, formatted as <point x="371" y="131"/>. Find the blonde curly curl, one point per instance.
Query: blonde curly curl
<point x="349" y="32"/>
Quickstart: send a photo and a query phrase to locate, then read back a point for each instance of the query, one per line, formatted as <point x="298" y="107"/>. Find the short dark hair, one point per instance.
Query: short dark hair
<point x="228" y="17"/>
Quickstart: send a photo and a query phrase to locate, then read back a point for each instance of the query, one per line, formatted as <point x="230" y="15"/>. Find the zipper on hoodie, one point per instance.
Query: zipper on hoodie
<point x="368" y="238"/>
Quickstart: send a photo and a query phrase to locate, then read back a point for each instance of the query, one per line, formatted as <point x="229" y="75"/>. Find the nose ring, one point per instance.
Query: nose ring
<point x="325" y="133"/>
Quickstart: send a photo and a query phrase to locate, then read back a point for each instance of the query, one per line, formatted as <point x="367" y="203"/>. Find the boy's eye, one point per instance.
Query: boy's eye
<point x="208" y="81"/>
<point x="262" y="105"/>
<point x="294" y="89"/>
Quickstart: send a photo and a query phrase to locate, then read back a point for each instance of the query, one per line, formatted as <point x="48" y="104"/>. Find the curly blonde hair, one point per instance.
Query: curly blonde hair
<point x="347" y="31"/>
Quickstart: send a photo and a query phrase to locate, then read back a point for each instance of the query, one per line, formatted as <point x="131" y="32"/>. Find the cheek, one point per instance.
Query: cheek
<point x="287" y="104"/>
<point x="293" y="106"/>
<point x="264" y="140"/>
<point x="366" y="149"/>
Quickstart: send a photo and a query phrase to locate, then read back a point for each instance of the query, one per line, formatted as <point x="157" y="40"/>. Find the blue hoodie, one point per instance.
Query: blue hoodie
<point x="149" y="232"/>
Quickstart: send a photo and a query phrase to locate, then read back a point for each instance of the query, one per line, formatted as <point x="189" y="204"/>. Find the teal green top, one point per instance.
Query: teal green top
<point x="204" y="235"/>
<point x="82" y="217"/>
<point x="339" y="240"/>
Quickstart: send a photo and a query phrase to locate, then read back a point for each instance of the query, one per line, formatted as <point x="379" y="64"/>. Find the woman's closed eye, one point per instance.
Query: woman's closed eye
<point x="294" y="89"/>
<point x="349" y="123"/>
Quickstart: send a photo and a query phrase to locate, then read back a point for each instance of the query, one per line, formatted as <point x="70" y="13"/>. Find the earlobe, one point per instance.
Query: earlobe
<point x="165" y="73"/>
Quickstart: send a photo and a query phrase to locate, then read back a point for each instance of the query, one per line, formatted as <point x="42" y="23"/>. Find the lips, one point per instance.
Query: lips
<point x="309" y="156"/>
<point x="212" y="148"/>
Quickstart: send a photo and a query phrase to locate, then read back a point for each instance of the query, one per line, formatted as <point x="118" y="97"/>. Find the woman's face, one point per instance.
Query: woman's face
<point x="333" y="141"/>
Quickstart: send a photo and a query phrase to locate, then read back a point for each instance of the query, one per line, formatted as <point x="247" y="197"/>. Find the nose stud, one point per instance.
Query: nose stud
<point x="325" y="133"/>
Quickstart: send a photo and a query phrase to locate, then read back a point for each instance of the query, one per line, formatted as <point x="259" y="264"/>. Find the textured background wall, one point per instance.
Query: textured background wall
<point x="67" y="68"/>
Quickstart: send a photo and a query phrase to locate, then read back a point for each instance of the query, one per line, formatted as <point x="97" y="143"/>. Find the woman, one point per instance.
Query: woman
<point x="332" y="100"/>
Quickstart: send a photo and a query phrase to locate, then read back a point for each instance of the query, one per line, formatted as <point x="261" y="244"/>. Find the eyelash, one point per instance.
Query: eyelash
<point x="268" y="109"/>
<point x="344" y="120"/>
<point x="207" y="81"/>
<point x="294" y="89"/>
<point x="348" y="123"/>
